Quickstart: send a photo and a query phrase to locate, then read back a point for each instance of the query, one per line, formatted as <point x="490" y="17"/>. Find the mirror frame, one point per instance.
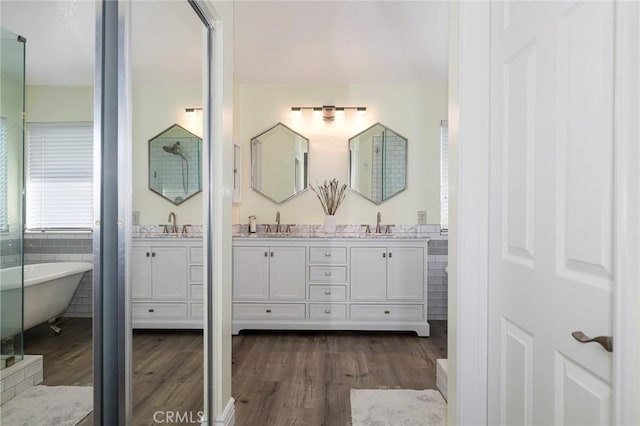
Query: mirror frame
<point x="253" y="159"/>
<point x="149" y="165"/>
<point x="406" y="159"/>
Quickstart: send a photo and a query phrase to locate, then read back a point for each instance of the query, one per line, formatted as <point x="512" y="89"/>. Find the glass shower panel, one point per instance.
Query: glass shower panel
<point x="12" y="55"/>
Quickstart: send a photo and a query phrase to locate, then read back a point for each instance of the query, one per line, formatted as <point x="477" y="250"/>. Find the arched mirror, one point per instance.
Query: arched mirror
<point x="378" y="163"/>
<point x="279" y="163"/>
<point x="175" y="156"/>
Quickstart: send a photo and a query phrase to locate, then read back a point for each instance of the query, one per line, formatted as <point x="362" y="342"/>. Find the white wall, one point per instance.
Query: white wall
<point x="414" y="111"/>
<point x="154" y="110"/>
<point x="59" y="103"/>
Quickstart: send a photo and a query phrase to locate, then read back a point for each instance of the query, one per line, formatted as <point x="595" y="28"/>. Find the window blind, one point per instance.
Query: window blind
<point x="444" y="174"/>
<point x="59" y="184"/>
<point x="4" y="220"/>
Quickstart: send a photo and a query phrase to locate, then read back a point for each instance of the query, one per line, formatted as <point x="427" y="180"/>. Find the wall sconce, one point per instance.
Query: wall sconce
<point x="328" y="112"/>
<point x="191" y="112"/>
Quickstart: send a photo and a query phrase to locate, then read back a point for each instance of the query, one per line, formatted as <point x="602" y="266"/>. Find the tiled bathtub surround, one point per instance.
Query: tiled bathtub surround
<point x="42" y="247"/>
<point x="437" y="260"/>
<point x="10" y="248"/>
<point x="20" y="377"/>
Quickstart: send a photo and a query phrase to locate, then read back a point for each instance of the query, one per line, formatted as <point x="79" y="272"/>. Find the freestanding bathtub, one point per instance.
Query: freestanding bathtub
<point x="48" y="289"/>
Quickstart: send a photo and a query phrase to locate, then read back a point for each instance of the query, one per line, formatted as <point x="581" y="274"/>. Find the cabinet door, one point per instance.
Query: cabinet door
<point x="250" y="273"/>
<point x="169" y="269"/>
<point x="368" y="273"/>
<point x="141" y="273"/>
<point x="287" y="273"/>
<point x="405" y="273"/>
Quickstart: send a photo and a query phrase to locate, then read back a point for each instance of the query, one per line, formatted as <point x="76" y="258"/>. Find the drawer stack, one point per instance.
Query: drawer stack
<point x="328" y="272"/>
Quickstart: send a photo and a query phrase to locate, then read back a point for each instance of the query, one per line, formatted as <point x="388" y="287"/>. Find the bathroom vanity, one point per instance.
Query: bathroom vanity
<point x="319" y="283"/>
<point x="167" y="282"/>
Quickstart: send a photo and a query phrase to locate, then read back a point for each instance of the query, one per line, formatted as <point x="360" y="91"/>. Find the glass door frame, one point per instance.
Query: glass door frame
<point x="112" y="229"/>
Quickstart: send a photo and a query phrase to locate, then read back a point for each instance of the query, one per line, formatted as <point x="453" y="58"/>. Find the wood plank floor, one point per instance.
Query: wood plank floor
<point x="279" y="378"/>
<point x="305" y="378"/>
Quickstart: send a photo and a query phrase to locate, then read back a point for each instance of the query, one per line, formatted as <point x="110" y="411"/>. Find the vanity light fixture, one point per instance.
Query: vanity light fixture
<point x="328" y="112"/>
<point x="191" y="112"/>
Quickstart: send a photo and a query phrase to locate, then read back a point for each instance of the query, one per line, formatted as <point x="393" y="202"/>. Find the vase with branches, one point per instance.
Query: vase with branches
<point x="331" y="195"/>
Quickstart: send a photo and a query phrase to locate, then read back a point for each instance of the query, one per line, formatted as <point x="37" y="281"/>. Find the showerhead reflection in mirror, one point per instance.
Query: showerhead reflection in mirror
<point x="175" y="150"/>
<point x="175" y="161"/>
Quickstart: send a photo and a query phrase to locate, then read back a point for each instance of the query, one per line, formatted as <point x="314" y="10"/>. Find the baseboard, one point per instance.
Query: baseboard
<point x="228" y="416"/>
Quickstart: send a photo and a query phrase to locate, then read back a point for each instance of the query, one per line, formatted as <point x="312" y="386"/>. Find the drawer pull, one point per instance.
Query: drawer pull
<point x="327" y="254"/>
<point x="327" y="274"/>
<point x="387" y="312"/>
<point x="328" y="292"/>
<point x="268" y="311"/>
<point x="327" y="311"/>
<point x="152" y="310"/>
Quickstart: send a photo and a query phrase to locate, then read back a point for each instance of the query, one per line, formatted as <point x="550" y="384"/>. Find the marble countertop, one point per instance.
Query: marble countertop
<point x="297" y="231"/>
<point x="170" y="236"/>
<point x="358" y="235"/>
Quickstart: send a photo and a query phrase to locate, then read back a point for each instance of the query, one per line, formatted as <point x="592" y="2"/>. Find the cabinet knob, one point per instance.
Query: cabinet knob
<point x="390" y="254"/>
<point x="266" y="254"/>
<point x="271" y="254"/>
<point x="153" y="254"/>
<point x="151" y="310"/>
<point x="387" y="312"/>
<point x="268" y="311"/>
<point x="327" y="311"/>
<point x="328" y="292"/>
<point x="327" y="274"/>
<point x="384" y="254"/>
<point x="327" y="254"/>
<point x="148" y="254"/>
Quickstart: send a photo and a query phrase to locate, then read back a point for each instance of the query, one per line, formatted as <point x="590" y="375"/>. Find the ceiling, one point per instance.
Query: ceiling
<point x="340" y="41"/>
<point x="302" y="42"/>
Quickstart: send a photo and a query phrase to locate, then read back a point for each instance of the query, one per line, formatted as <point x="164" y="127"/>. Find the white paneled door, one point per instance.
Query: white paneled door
<point x="551" y="256"/>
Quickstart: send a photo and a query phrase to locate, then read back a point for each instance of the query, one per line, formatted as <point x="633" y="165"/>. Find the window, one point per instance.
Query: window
<point x="444" y="175"/>
<point x="59" y="175"/>
<point x="4" y="220"/>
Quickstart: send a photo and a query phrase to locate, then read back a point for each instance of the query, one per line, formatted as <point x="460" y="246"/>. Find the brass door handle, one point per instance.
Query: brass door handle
<point x="605" y="341"/>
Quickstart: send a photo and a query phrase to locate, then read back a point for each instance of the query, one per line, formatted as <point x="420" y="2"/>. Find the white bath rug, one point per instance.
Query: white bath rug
<point x="48" y="406"/>
<point x="395" y="407"/>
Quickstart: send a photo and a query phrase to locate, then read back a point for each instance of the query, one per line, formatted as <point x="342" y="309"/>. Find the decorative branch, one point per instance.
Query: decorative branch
<point x="330" y="194"/>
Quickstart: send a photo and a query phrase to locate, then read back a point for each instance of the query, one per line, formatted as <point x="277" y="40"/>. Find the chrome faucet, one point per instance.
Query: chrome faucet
<point x="277" y="222"/>
<point x="174" y="226"/>
<point x="378" y="220"/>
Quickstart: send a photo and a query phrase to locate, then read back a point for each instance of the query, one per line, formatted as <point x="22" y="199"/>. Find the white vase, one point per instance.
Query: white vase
<point x="329" y="224"/>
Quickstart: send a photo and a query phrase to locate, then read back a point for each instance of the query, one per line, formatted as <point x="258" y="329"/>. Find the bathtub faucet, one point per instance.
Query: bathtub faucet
<point x="174" y="226"/>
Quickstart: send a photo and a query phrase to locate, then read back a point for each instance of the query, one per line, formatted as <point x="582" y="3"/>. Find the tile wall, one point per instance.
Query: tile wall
<point x="42" y="247"/>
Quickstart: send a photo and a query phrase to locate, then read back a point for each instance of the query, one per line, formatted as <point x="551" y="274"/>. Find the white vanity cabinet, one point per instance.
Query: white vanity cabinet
<point x="330" y="284"/>
<point x="387" y="273"/>
<point x="269" y="273"/>
<point x="166" y="283"/>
